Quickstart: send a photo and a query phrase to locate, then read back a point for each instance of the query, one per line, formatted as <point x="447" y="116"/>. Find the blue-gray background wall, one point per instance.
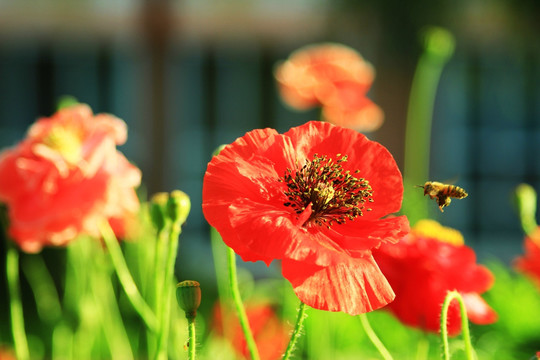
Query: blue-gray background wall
<point x="188" y="76"/>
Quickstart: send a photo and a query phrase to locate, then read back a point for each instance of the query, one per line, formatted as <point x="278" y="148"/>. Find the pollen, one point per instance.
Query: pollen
<point x="335" y="195"/>
<point x="66" y="140"/>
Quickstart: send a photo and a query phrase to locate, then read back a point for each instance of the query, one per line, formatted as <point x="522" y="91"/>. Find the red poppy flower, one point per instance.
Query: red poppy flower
<point x="65" y="177"/>
<point x="335" y="77"/>
<point x="314" y="198"/>
<point x="423" y="267"/>
<point x="270" y="333"/>
<point x="529" y="263"/>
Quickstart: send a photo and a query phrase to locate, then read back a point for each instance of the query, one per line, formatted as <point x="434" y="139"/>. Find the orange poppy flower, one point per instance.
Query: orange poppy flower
<point x="65" y="177"/>
<point x="334" y="77"/>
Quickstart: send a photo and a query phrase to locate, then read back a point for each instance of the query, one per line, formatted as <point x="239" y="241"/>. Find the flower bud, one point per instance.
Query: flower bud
<point x="439" y="42"/>
<point x="218" y="149"/>
<point x="157" y="210"/>
<point x="66" y="101"/>
<point x="178" y="207"/>
<point x="188" y="295"/>
<point x="525" y="201"/>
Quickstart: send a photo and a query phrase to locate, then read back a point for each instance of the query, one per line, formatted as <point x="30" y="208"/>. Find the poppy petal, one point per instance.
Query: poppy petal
<point x="354" y="288"/>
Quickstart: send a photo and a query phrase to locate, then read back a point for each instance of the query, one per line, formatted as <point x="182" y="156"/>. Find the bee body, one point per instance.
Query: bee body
<point x="443" y="192"/>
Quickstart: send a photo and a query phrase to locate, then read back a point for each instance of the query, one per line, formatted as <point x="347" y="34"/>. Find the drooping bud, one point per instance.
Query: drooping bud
<point x="439" y="42"/>
<point x="188" y="295"/>
<point x="66" y="101"/>
<point x="525" y="201"/>
<point x="218" y="149"/>
<point x="158" y="204"/>
<point x="178" y="207"/>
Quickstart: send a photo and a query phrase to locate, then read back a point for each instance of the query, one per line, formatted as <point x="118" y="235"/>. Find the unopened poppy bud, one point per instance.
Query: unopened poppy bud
<point x="178" y="207"/>
<point x="188" y="295"/>
<point x="525" y="201"/>
<point x="66" y="101"/>
<point x="439" y="42"/>
<point x="157" y="210"/>
<point x="218" y="149"/>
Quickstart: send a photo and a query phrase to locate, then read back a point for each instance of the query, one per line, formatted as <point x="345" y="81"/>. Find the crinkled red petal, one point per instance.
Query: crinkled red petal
<point x="355" y="287"/>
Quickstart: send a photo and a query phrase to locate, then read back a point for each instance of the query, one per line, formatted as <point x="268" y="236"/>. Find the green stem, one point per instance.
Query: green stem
<point x="422" y="350"/>
<point x="126" y="280"/>
<point x="192" y="339"/>
<point x="15" y="304"/>
<point x="439" y="46"/>
<point x="242" y="316"/>
<point x="374" y="338"/>
<point x="42" y="285"/>
<point x="219" y="250"/>
<point x="296" y="332"/>
<point x="164" y="303"/>
<point x="469" y="352"/>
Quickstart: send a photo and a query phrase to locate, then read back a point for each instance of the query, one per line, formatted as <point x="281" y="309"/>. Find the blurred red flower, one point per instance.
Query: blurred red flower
<point x="313" y="198"/>
<point x="529" y="263"/>
<point x="65" y="177"/>
<point x="335" y="77"/>
<point x="270" y="333"/>
<point x="423" y="267"/>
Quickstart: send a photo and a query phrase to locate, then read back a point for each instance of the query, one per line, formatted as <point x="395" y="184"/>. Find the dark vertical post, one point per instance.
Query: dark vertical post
<point x="156" y="24"/>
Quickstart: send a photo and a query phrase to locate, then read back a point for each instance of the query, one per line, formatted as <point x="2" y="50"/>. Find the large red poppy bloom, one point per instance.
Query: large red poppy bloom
<point x="423" y="267"/>
<point x="334" y="77"/>
<point x="314" y="198"/>
<point x="270" y="333"/>
<point x="529" y="263"/>
<point x="65" y="177"/>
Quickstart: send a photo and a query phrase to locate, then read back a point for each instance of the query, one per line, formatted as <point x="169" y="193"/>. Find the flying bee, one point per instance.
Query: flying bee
<point x="443" y="192"/>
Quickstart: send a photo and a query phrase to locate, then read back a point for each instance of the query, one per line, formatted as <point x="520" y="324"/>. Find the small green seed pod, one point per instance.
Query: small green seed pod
<point x="188" y="295"/>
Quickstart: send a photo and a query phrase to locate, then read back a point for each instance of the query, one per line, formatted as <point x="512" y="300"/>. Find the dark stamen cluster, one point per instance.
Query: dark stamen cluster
<point x="334" y="194"/>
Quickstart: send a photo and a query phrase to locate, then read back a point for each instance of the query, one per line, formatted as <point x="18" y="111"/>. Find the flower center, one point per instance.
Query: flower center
<point x="65" y="140"/>
<point x="333" y="194"/>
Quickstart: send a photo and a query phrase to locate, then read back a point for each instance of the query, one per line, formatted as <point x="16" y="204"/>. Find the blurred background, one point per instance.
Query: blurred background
<point x="189" y="75"/>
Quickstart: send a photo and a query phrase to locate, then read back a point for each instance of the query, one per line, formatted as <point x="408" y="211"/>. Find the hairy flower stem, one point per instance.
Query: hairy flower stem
<point x="15" y="305"/>
<point x="126" y="280"/>
<point x="469" y="352"/>
<point x="192" y="339"/>
<point x="242" y="316"/>
<point x="374" y="338"/>
<point x="296" y="332"/>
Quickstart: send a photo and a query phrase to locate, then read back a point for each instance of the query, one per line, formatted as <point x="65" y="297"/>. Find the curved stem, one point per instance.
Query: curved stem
<point x="192" y="339"/>
<point x="469" y="352"/>
<point x="297" y="331"/>
<point x="15" y="304"/>
<point x="242" y="316"/>
<point x="439" y="46"/>
<point x="374" y="338"/>
<point x="126" y="280"/>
